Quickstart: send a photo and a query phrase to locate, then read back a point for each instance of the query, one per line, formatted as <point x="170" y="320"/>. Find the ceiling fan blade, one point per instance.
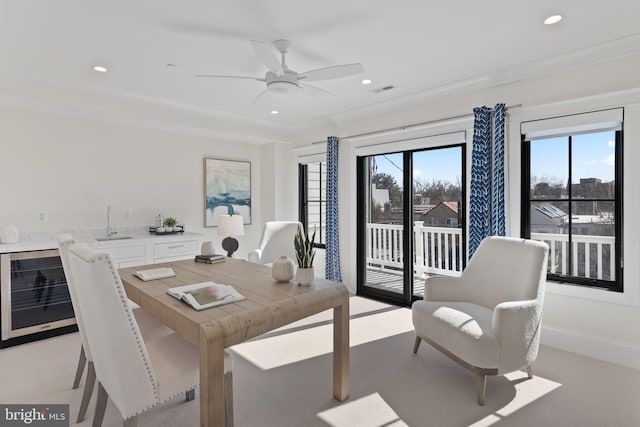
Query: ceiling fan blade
<point x="334" y="72"/>
<point x="319" y="90"/>
<point x="260" y="79"/>
<point x="268" y="58"/>
<point x="261" y="93"/>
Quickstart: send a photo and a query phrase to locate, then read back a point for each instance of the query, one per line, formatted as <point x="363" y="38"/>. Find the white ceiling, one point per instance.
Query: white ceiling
<point x="48" y="49"/>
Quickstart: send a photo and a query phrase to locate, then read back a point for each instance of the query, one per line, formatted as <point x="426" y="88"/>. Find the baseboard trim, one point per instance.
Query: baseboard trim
<point x="610" y="351"/>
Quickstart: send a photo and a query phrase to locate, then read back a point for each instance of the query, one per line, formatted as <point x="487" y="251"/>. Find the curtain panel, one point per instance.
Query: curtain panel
<point x="486" y="201"/>
<point x="479" y="197"/>
<point x="332" y="260"/>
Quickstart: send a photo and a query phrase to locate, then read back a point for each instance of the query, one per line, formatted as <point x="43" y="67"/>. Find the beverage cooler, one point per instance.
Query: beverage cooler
<point x="34" y="297"/>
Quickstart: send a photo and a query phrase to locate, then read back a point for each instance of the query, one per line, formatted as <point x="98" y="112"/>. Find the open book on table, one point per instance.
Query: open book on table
<point x="205" y="295"/>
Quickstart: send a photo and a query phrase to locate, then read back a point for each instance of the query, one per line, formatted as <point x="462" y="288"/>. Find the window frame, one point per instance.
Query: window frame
<point x="525" y="224"/>
<point x="303" y="199"/>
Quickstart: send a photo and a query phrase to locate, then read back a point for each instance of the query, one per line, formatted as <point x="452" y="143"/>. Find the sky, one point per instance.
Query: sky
<point x="440" y="164"/>
<point x="593" y="157"/>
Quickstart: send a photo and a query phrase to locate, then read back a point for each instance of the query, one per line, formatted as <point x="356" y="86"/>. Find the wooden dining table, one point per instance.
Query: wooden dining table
<point x="268" y="305"/>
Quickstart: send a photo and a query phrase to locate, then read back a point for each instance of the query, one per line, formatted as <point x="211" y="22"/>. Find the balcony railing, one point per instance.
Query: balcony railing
<point x="438" y="250"/>
<point x="592" y="256"/>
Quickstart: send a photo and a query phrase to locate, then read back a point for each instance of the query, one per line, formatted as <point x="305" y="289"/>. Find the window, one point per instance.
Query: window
<point x="572" y="195"/>
<point x="312" y="184"/>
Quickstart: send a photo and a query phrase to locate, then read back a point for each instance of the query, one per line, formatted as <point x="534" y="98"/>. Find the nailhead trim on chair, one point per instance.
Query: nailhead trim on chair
<point x="131" y="319"/>
<point x="147" y="363"/>
<point x="123" y="300"/>
<point x="132" y="322"/>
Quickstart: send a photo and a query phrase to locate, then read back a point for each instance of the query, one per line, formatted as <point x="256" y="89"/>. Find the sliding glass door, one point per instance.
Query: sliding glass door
<point x="410" y="220"/>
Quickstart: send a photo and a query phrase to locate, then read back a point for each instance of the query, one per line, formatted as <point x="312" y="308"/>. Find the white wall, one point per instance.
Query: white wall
<point x="278" y="183"/>
<point x="74" y="168"/>
<point x="596" y="323"/>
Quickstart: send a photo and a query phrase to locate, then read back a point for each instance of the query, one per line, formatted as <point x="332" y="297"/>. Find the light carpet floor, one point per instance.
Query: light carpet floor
<point x="284" y="378"/>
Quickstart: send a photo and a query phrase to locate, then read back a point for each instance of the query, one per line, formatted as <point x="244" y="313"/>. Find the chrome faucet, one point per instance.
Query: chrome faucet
<point x="110" y="232"/>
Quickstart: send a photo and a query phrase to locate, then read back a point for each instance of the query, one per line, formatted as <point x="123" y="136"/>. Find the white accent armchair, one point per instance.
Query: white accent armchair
<point x="277" y="241"/>
<point x="488" y="320"/>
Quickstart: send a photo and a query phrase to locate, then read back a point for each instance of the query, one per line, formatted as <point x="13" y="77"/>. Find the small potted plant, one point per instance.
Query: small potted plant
<point x="170" y="223"/>
<point x="305" y="253"/>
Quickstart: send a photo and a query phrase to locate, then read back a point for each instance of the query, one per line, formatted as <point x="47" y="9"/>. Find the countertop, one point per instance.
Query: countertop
<point x="35" y="241"/>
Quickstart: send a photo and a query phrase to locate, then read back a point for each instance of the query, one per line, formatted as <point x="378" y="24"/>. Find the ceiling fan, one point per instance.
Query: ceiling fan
<point x="283" y="80"/>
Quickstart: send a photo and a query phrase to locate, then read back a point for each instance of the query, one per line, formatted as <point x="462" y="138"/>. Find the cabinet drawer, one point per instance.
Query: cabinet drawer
<point x="131" y="263"/>
<point x="161" y="250"/>
<point x="123" y="252"/>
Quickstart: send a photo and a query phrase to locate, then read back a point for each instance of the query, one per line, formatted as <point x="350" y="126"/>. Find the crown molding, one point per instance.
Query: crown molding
<point x="603" y="52"/>
<point x="185" y="118"/>
<point x="73" y="98"/>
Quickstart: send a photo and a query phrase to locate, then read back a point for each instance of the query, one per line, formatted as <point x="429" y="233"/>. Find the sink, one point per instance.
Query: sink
<point x="105" y="239"/>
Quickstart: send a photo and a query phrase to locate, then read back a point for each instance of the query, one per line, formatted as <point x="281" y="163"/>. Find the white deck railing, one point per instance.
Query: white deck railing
<point x="593" y="256"/>
<point x="438" y="250"/>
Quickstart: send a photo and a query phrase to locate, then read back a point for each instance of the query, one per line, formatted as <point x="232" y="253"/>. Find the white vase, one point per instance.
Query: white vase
<point x="304" y="276"/>
<point x="207" y="248"/>
<point x="282" y="269"/>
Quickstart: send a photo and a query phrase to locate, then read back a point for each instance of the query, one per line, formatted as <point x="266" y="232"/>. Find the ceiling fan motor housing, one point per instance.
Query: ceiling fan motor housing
<point x="286" y="83"/>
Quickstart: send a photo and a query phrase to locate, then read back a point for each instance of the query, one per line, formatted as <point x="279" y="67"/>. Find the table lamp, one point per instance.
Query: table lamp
<point x="230" y="225"/>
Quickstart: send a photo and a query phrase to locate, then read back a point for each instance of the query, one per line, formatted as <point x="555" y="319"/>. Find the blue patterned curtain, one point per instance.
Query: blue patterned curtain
<point x="479" y="198"/>
<point x="486" y="210"/>
<point x="332" y="261"/>
<point x="497" y="184"/>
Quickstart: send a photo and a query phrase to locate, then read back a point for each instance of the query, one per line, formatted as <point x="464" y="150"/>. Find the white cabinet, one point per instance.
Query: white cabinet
<point x="127" y="256"/>
<point x="174" y="251"/>
<point x="152" y="250"/>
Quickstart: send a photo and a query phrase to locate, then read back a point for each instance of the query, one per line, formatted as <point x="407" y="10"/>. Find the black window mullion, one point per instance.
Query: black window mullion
<point x="570" y="219"/>
<point x="618" y="210"/>
<point x="321" y="201"/>
<point x="303" y="191"/>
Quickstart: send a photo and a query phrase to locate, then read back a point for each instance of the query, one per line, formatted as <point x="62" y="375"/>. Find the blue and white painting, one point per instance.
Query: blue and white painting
<point x="227" y="190"/>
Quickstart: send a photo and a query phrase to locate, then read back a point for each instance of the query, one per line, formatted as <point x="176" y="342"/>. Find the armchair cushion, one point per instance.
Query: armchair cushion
<point x="462" y="328"/>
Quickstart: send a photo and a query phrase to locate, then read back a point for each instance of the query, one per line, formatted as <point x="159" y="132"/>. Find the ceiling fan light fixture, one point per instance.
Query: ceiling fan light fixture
<point x="282" y="87"/>
<point x="286" y="83"/>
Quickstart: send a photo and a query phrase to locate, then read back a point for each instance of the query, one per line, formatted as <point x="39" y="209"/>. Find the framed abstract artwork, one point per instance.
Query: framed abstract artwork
<point x="227" y="190"/>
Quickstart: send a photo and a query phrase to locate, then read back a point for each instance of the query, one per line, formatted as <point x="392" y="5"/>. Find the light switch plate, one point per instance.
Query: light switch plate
<point x="43" y="216"/>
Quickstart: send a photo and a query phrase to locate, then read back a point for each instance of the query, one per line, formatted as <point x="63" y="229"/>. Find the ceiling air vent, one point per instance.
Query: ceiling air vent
<point x="383" y="89"/>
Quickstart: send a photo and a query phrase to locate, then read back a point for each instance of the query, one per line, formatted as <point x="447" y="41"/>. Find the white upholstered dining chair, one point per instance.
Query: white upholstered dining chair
<point x="277" y="241"/>
<point x="150" y="327"/>
<point x="135" y="374"/>
<point x="488" y="320"/>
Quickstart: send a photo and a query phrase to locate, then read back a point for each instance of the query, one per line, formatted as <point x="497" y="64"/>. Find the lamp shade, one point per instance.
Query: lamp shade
<point x="230" y="225"/>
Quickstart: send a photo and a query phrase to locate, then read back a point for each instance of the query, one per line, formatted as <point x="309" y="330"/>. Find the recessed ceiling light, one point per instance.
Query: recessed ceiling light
<point x="553" y="19"/>
<point x="274" y="112"/>
<point x="171" y="65"/>
<point x="366" y="82"/>
<point x="100" y="69"/>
